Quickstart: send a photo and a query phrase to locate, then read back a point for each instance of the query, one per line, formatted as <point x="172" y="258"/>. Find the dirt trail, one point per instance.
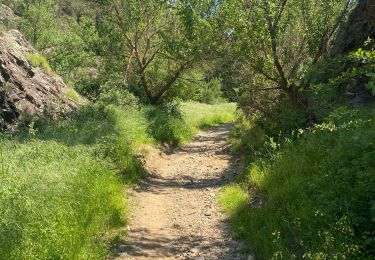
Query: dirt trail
<point x="175" y="214"/>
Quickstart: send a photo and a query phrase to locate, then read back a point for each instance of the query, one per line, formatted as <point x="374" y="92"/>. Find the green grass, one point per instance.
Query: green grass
<point x="179" y="125"/>
<point x="199" y="115"/>
<point x="116" y="134"/>
<point x="39" y="61"/>
<point x="233" y="198"/>
<point x="56" y="201"/>
<point x="74" y="96"/>
<point x="317" y="196"/>
<point x="62" y="182"/>
<point x="62" y="191"/>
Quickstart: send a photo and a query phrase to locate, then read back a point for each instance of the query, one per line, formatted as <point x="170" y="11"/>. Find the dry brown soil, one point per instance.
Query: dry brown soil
<point x="175" y="213"/>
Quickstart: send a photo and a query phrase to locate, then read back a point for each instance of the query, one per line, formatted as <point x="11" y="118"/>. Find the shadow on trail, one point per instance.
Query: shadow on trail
<point x="199" y="148"/>
<point x="165" y="246"/>
<point x="206" y="165"/>
<point x="158" y="184"/>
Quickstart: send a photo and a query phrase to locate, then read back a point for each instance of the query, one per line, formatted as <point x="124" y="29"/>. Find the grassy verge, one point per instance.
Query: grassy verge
<point x="62" y="183"/>
<point x="56" y="201"/>
<point x="177" y="125"/>
<point x="199" y="115"/>
<point x="317" y="196"/>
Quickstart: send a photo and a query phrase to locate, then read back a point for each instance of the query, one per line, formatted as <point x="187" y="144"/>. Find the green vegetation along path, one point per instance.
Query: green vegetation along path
<point x="175" y="214"/>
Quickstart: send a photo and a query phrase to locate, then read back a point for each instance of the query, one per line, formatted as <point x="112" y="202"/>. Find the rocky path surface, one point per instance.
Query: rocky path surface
<point x="175" y="214"/>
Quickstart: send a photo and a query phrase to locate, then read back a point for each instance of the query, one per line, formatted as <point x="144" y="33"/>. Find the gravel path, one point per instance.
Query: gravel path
<point x="175" y="214"/>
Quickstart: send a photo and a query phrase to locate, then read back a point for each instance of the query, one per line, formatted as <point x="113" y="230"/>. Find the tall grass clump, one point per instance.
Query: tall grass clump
<point x="315" y="198"/>
<point x="115" y="133"/>
<point x="57" y="202"/>
<point x="62" y="183"/>
<point x="167" y="124"/>
<point x="39" y="61"/>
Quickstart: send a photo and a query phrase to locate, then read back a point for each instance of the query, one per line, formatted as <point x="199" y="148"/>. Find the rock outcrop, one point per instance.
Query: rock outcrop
<point x="7" y="16"/>
<point x="26" y="91"/>
<point x="352" y="35"/>
<point x="359" y="26"/>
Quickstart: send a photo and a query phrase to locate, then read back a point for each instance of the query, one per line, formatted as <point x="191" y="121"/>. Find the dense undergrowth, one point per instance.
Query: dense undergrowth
<point x="313" y="199"/>
<point x="62" y="183"/>
<point x="309" y="193"/>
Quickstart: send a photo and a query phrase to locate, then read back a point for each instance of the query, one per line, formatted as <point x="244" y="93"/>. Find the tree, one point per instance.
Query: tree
<point x="38" y="23"/>
<point x="156" y="42"/>
<point x="276" y="40"/>
<point x="52" y="27"/>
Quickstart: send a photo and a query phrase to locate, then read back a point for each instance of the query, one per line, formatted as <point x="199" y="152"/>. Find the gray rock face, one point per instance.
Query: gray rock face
<point x="27" y="92"/>
<point x="359" y="26"/>
<point x="7" y="16"/>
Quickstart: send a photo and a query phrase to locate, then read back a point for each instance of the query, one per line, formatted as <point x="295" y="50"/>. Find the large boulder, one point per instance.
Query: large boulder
<point x="27" y="91"/>
<point x="359" y="27"/>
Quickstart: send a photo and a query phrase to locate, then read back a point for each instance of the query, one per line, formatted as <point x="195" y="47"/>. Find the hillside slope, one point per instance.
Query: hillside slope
<point x="28" y="87"/>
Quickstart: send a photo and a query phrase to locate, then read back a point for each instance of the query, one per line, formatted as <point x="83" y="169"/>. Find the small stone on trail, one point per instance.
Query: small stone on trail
<point x="194" y="250"/>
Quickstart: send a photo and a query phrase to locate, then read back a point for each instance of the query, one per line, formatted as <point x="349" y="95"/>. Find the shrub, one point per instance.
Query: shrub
<point x="334" y="82"/>
<point x="167" y="125"/>
<point x="117" y="96"/>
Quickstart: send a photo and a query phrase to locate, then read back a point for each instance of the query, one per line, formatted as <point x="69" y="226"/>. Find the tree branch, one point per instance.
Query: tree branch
<point x="263" y="73"/>
<point x="279" y="13"/>
<point x="172" y="80"/>
<point x="272" y="33"/>
<point x="326" y="37"/>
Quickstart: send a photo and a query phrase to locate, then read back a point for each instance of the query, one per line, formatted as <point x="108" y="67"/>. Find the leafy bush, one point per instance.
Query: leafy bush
<point x="117" y="96"/>
<point x="315" y="198"/>
<point x="71" y="48"/>
<point x="167" y="125"/>
<point x="199" y="90"/>
<point x="334" y="82"/>
<point x="260" y="138"/>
